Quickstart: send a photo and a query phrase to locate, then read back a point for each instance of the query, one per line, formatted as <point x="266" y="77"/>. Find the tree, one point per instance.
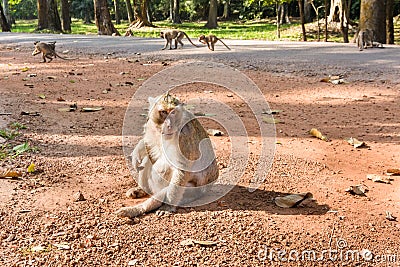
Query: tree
<point x="7" y="13"/>
<point x="54" y="21"/>
<point x="103" y="19"/>
<point x="141" y="13"/>
<point x="116" y="11"/>
<point x="225" y="14"/>
<point x="176" y="17"/>
<point x="301" y="10"/>
<point x="4" y="24"/>
<point x="340" y="12"/>
<point x="42" y="14"/>
<point x="389" y="22"/>
<point x="65" y="15"/>
<point x="373" y="17"/>
<point x="129" y="10"/>
<point x="212" y="15"/>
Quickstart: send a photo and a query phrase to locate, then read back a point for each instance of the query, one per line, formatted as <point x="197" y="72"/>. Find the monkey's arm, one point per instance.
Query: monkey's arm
<point x="138" y="154"/>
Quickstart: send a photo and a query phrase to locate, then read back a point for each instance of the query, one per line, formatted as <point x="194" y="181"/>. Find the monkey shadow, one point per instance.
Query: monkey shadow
<point x="240" y="198"/>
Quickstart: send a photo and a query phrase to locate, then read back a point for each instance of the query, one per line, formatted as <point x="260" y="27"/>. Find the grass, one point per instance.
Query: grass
<point x="250" y="30"/>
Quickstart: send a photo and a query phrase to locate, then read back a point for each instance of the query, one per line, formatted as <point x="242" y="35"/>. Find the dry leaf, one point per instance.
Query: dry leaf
<point x="357" y="190"/>
<point x="318" y="134"/>
<point x="42" y="96"/>
<point x="393" y="172"/>
<point x="271" y="111"/>
<point x="204" y="114"/>
<point x="31" y="168"/>
<point x="38" y="249"/>
<point x="5" y="173"/>
<point x="30" y="113"/>
<point x="62" y="246"/>
<point x="293" y="200"/>
<point x="271" y="120"/>
<point x="354" y="142"/>
<point x="389" y="216"/>
<point x="91" y="109"/>
<point x="60" y="99"/>
<point x="379" y="179"/>
<point x="191" y="242"/>
<point x="24" y="69"/>
<point x="214" y="132"/>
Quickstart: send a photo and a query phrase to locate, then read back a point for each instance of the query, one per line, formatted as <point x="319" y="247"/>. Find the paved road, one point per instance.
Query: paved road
<point x="295" y="58"/>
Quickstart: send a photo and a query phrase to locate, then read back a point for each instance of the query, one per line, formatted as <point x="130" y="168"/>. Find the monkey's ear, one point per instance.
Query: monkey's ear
<point x="152" y="100"/>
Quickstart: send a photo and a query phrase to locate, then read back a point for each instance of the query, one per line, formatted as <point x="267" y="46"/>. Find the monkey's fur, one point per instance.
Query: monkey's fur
<point x="48" y="50"/>
<point x="210" y="41"/>
<point x="365" y="39"/>
<point x="174" y="35"/>
<point x="172" y="134"/>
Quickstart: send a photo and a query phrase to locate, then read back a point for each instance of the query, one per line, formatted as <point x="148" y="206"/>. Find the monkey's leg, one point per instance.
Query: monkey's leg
<point x="49" y="57"/>
<point x="166" y="44"/>
<point x="180" y="42"/>
<point x="148" y="205"/>
<point x="208" y="45"/>
<point x="175" y="191"/>
<point x="212" y="46"/>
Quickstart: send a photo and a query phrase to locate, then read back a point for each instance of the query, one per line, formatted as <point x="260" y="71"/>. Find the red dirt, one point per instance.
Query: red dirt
<point x="79" y="151"/>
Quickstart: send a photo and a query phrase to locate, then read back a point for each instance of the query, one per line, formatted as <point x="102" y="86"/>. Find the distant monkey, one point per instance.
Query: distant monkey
<point x="48" y="51"/>
<point x="176" y="35"/>
<point x="365" y="39"/>
<point x="175" y="154"/>
<point x="210" y="41"/>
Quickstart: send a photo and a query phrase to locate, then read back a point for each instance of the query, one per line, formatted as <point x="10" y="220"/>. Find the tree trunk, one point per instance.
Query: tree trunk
<point x="177" y="18"/>
<point x="326" y="20"/>
<point x="373" y="17"/>
<point x="283" y="13"/>
<point x="389" y="22"/>
<point x="225" y="15"/>
<point x="129" y="10"/>
<point x="303" y="28"/>
<point x="278" y="20"/>
<point x="171" y="10"/>
<point x="307" y="11"/>
<point x="212" y="15"/>
<point x="66" y="18"/>
<point x="54" y="21"/>
<point x="7" y="13"/>
<point x="103" y="19"/>
<point x="140" y="11"/>
<point x="4" y="24"/>
<point x="116" y="10"/>
<point x="42" y="14"/>
<point x="340" y="12"/>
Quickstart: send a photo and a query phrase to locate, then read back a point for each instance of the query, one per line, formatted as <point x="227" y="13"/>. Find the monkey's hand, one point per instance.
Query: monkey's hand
<point x="129" y="212"/>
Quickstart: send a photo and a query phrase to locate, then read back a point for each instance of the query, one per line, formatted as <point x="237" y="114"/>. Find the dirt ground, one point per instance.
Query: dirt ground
<point x="42" y="225"/>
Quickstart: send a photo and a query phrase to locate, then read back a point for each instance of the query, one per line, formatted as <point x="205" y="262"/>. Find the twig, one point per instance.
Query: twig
<point x="333" y="231"/>
<point x="5" y="114"/>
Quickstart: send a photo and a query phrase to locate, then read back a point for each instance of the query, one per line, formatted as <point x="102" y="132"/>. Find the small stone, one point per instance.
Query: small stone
<point x="78" y="196"/>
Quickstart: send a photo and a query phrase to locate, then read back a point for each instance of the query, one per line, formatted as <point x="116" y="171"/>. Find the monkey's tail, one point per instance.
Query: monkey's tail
<point x="189" y="39"/>
<point x="224" y="44"/>
<point x="63" y="57"/>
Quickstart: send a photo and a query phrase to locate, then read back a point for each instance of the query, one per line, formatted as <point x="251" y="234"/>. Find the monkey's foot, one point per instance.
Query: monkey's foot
<point x="135" y="192"/>
<point x="129" y="212"/>
<point x="165" y="210"/>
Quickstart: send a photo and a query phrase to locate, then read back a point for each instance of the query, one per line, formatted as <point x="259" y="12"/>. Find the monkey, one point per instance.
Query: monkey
<point x="210" y="41"/>
<point x="48" y="51"/>
<point x="174" y="35"/>
<point x="365" y="39"/>
<point x="172" y="135"/>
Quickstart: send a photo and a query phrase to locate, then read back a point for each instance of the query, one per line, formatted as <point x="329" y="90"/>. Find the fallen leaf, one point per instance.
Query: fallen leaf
<point x="204" y="114"/>
<point x="191" y="242"/>
<point x="6" y="173"/>
<point x="31" y="168"/>
<point x="60" y="99"/>
<point x="314" y="132"/>
<point x="42" y="96"/>
<point x="51" y="77"/>
<point x="29" y="85"/>
<point x="379" y="179"/>
<point x="357" y="190"/>
<point x="38" y="249"/>
<point x="30" y="113"/>
<point x="24" y="69"/>
<point x="354" y="142"/>
<point x="21" y="148"/>
<point x="390" y="217"/>
<point x="31" y="75"/>
<point x="214" y="132"/>
<point x="271" y="111"/>
<point x="62" y="246"/>
<point x="271" y="120"/>
<point x="71" y="108"/>
<point x="78" y="196"/>
<point x="393" y="172"/>
<point x="293" y="200"/>
<point x="91" y="109"/>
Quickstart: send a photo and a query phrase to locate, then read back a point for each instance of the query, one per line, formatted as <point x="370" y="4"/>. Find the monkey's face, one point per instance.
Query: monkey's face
<point x="162" y="35"/>
<point x="173" y="122"/>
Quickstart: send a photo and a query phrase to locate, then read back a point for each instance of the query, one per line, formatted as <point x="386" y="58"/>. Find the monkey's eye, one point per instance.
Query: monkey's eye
<point x="163" y="112"/>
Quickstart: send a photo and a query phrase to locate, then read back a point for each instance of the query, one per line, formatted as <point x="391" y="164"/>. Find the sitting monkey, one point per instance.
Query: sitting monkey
<point x="174" y="154"/>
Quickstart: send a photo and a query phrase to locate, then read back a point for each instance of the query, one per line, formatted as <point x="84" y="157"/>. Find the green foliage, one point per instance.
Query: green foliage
<point x="8" y="134"/>
<point x="23" y="9"/>
<point x="22" y="148"/>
